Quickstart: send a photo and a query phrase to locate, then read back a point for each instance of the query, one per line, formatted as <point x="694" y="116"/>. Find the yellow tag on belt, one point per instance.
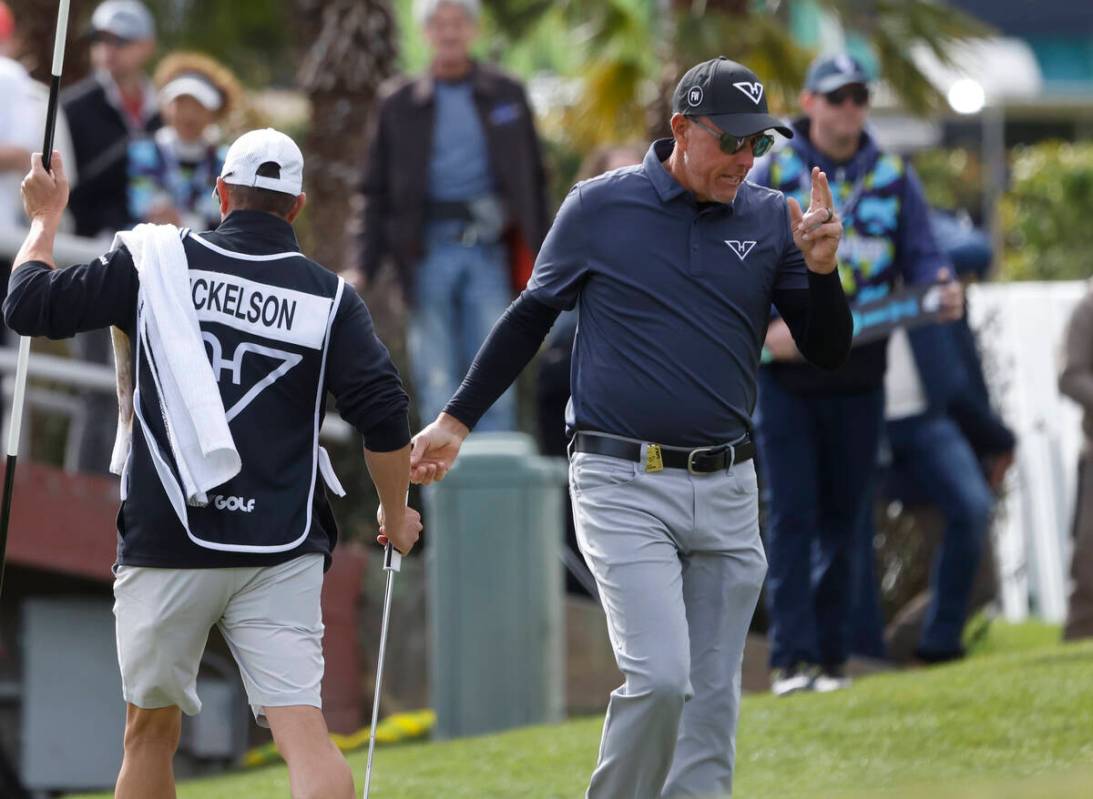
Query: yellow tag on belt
<point x="653" y="460"/>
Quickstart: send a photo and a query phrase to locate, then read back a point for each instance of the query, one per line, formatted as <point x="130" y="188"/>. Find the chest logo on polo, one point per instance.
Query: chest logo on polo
<point x="266" y="367"/>
<point x="741" y="248"/>
<point x="754" y="91"/>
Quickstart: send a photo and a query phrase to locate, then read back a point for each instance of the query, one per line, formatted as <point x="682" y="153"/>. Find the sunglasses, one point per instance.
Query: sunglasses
<point x="107" y="38"/>
<point x="730" y="145"/>
<point x="858" y="94"/>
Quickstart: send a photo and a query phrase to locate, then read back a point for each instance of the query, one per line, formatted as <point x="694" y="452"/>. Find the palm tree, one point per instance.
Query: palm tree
<point x="635" y="51"/>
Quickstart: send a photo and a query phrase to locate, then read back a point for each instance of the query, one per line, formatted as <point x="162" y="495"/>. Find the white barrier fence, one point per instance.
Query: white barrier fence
<point x="1020" y="327"/>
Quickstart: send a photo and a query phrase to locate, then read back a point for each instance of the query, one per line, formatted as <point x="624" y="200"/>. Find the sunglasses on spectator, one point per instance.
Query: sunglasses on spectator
<point x="730" y="145"/>
<point x="858" y="94"/>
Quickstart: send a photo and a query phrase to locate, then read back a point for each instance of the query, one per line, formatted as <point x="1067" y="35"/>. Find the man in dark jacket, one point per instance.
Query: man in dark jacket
<point x="938" y="424"/>
<point x="455" y="196"/>
<point x="950" y="449"/>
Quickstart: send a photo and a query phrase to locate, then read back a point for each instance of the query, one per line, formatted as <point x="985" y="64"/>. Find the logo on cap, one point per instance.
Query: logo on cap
<point x="754" y="91"/>
<point x="845" y="63"/>
<point x="694" y="96"/>
<point x="741" y="248"/>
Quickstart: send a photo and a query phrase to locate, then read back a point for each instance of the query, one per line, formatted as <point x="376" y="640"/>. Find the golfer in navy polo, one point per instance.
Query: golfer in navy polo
<point x="673" y="265"/>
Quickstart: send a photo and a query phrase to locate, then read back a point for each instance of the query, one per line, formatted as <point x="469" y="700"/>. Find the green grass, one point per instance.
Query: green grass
<point x="1013" y="722"/>
<point x="1008" y="638"/>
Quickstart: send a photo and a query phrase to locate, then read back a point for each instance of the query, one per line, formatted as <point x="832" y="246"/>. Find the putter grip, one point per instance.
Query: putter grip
<point x="392" y="559"/>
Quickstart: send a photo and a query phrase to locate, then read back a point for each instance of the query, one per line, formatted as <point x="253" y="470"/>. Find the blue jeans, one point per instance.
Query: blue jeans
<point x="931" y="452"/>
<point x="818" y="453"/>
<point x="460" y="293"/>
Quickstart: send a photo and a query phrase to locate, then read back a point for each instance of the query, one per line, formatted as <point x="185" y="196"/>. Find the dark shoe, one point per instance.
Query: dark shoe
<point x="931" y="658"/>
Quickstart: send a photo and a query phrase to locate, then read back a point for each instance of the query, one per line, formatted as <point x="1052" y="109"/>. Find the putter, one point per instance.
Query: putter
<point x="392" y="563"/>
<point x="23" y="361"/>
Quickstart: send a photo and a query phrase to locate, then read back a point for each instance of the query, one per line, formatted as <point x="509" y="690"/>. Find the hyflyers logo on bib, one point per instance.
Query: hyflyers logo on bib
<point x="754" y="91"/>
<point x="241" y="378"/>
<point x="741" y="248"/>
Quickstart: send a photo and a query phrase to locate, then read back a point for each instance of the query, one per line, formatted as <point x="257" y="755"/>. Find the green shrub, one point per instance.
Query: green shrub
<point x="1046" y="213"/>
<point x="951" y="178"/>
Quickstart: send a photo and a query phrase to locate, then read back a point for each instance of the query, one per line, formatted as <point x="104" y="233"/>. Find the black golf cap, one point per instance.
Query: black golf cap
<point x="831" y="72"/>
<point x="729" y="94"/>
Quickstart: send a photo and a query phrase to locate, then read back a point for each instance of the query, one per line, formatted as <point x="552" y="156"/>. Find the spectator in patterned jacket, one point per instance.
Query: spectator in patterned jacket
<point x="819" y="431"/>
<point x="171" y="170"/>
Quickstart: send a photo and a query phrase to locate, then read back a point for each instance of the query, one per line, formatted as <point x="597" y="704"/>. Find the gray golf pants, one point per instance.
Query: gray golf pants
<point x="679" y="564"/>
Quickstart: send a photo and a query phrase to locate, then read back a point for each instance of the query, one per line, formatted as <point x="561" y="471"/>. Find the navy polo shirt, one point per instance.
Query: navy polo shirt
<point x="674" y="301"/>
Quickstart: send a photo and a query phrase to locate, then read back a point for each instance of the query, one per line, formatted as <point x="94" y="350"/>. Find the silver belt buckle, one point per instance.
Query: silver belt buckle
<point x="691" y="458"/>
<point x="703" y="450"/>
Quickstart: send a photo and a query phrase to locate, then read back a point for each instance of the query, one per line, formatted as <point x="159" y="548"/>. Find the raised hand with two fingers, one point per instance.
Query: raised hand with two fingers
<point x="817" y="231"/>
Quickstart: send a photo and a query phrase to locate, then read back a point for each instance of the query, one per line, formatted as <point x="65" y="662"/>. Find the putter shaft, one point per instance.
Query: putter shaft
<point x="390" y="565"/>
<point x="16" y="420"/>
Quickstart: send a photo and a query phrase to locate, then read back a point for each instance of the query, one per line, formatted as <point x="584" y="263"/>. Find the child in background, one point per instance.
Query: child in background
<point x="171" y="174"/>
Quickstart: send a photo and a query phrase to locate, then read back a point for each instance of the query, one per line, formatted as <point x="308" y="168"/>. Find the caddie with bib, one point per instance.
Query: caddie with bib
<point x="227" y="343"/>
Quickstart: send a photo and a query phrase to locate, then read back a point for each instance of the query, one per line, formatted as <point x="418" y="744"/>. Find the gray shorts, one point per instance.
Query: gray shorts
<point x="270" y="616"/>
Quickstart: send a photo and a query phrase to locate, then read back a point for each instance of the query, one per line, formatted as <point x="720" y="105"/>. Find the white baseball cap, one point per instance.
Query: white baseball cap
<point x="258" y="147"/>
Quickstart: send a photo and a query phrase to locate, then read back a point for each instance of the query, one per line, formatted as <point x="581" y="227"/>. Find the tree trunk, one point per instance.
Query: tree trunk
<point x="350" y="48"/>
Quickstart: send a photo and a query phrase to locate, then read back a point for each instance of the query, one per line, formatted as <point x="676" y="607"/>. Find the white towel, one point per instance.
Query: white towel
<point x="197" y="426"/>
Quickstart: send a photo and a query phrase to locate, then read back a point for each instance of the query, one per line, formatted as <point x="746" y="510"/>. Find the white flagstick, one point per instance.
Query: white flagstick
<point x="23" y="360"/>
<point x="55" y="81"/>
<point x="15" y="424"/>
<point x="392" y="563"/>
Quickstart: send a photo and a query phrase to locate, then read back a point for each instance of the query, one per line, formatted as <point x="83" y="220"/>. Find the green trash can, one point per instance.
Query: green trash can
<point x="494" y="584"/>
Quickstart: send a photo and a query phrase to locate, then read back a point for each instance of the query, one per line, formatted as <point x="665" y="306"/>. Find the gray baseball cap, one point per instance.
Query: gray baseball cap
<point x="832" y="72"/>
<point x="729" y="94"/>
<point x="127" y="19"/>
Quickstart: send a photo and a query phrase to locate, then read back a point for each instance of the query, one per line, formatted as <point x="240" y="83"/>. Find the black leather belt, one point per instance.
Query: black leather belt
<point x="701" y="460"/>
